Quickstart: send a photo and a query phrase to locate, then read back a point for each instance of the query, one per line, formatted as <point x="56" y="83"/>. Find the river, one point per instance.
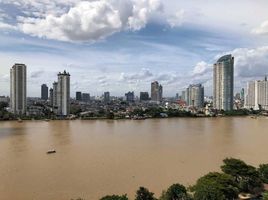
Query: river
<point x="95" y="158"/>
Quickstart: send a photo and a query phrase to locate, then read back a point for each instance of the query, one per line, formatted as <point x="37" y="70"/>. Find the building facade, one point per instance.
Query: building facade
<point x="63" y="94"/>
<point x="144" y="96"/>
<point x="106" y="97"/>
<point x="223" y="83"/>
<point x="78" y="96"/>
<point x="18" y="89"/>
<point x="44" y="92"/>
<point x="257" y="95"/>
<point x="55" y="96"/>
<point x="195" y="95"/>
<point x="156" y="92"/>
<point x="130" y="97"/>
<point x="85" y="97"/>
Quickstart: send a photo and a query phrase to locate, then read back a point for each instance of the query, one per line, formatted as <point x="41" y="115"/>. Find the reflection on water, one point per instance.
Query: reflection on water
<point x="95" y="158"/>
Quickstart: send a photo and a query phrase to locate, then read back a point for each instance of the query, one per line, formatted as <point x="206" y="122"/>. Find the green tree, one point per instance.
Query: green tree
<point x="144" y="194"/>
<point x="215" y="186"/>
<point x="175" y="192"/>
<point x="265" y="196"/>
<point x="263" y="171"/>
<point x="245" y="175"/>
<point x="115" y="197"/>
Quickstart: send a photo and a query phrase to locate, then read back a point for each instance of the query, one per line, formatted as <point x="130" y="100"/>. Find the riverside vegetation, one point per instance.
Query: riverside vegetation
<point x="236" y="178"/>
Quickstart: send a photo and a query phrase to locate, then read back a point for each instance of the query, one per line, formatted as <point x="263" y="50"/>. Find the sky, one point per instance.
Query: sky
<point x="124" y="45"/>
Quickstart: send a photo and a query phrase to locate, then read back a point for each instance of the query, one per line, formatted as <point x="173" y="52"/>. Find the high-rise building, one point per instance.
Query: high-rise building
<point x="156" y="91"/>
<point x="55" y="95"/>
<point x="44" y="92"/>
<point x="144" y="96"/>
<point x="51" y="97"/>
<point x="130" y="96"/>
<point x="78" y="96"/>
<point x="18" y="89"/>
<point x="85" y="97"/>
<point x="257" y="95"/>
<point x="106" y="97"/>
<point x="223" y="83"/>
<point x="195" y="95"/>
<point x="63" y="94"/>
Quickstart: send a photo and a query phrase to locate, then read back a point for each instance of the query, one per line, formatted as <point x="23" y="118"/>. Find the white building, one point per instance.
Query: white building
<point x="257" y="95"/>
<point x="195" y="95"/>
<point x="63" y="94"/>
<point x="223" y="83"/>
<point x="18" y="89"/>
<point x="156" y="92"/>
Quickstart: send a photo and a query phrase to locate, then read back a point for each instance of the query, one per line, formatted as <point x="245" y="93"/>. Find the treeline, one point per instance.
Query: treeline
<point x="236" y="178"/>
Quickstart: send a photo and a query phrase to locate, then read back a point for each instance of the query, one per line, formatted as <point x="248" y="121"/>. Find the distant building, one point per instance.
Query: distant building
<point x="78" y="96"/>
<point x="63" y="94"/>
<point x="223" y="83"/>
<point x="144" y="96"/>
<point x="195" y="95"/>
<point x="4" y="99"/>
<point x="18" y="89"/>
<point x="156" y="92"/>
<point x="44" y="92"/>
<point x="106" y="97"/>
<point x="257" y="95"/>
<point x="130" y="96"/>
<point x="55" y="95"/>
<point x="51" y="97"/>
<point x="85" y="97"/>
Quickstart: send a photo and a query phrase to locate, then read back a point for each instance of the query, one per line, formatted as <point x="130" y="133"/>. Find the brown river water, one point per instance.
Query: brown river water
<point x="95" y="158"/>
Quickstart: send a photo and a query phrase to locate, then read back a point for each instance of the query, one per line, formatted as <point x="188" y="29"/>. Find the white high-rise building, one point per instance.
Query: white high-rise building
<point x="18" y="89"/>
<point x="63" y="94"/>
<point x="257" y="95"/>
<point x="156" y="92"/>
<point x="195" y="95"/>
<point x="223" y="83"/>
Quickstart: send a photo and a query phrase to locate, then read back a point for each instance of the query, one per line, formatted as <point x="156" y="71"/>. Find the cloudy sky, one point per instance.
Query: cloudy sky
<point x="122" y="45"/>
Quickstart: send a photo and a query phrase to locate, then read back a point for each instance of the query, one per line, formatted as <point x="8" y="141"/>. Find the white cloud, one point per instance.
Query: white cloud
<point x="176" y="19"/>
<point x="81" y="20"/>
<point x="201" y="68"/>
<point x="7" y="26"/>
<point x="91" y="20"/>
<point x="262" y="29"/>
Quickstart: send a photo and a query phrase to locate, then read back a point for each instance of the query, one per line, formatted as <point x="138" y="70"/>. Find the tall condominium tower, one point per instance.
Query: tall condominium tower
<point x="44" y="92"/>
<point x="18" y="89"/>
<point x="195" y="95"/>
<point x="106" y="96"/>
<point x="156" y="91"/>
<point x="51" y="97"/>
<point x="63" y="94"/>
<point x="257" y="95"/>
<point x="78" y="96"/>
<point x="223" y="83"/>
<point x="55" y="96"/>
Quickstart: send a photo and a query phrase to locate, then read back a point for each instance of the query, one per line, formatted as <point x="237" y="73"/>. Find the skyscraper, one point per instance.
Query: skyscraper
<point x="144" y="96"/>
<point x="156" y="91"/>
<point x="51" y="97"/>
<point x="257" y="95"/>
<point x="44" y="92"/>
<point x="223" y="83"/>
<point x="130" y="96"/>
<point x="85" y="97"/>
<point x="55" y="95"/>
<point x="18" y="89"/>
<point x="106" y="97"/>
<point x="63" y="94"/>
<point x="195" y="95"/>
<point x="78" y="96"/>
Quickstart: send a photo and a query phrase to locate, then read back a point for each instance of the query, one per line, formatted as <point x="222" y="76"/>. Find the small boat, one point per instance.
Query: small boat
<point x="51" y="151"/>
<point x="47" y="120"/>
<point x="19" y="120"/>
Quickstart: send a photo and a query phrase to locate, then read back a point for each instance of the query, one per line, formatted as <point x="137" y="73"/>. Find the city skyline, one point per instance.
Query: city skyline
<point x="175" y="45"/>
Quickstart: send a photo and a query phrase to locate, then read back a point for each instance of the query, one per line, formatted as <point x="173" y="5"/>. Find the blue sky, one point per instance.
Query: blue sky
<point x="123" y="45"/>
